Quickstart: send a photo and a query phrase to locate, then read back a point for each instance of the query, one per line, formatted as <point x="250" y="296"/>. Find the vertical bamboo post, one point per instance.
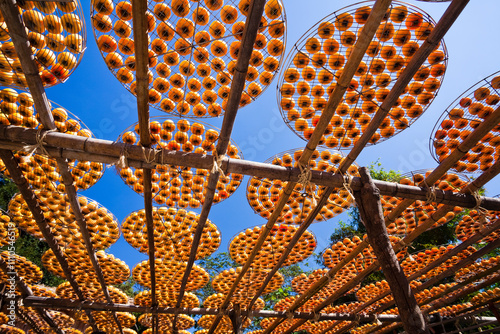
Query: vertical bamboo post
<point x="372" y="216"/>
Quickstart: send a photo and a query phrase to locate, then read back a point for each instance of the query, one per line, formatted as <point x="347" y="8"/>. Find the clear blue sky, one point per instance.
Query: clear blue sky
<point x="96" y="96"/>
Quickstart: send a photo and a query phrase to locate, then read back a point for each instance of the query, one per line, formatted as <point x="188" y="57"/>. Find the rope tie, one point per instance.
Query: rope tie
<point x="431" y="194"/>
<point x="40" y="137"/>
<point x="150" y="157"/>
<point x="217" y="165"/>
<point x="289" y="315"/>
<point x="376" y="320"/>
<point x="357" y="318"/>
<point x="305" y="179"/>
<point x="330" y="278"/>
<point x="122" y="161"/>
<point x="480" y="210"/>
<point x="316" y="316"/>
<point x="346" y="184"/>
<point x="403" y="243"/>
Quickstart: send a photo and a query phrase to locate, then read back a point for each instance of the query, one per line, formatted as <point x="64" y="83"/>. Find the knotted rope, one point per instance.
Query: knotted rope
<point x="40" y="137"/>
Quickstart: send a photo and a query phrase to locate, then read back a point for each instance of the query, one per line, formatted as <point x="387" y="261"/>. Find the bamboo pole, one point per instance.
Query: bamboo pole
<point x="32" y="202"/>
<point x="438" y="32"/>
<point x="19" y="38"/>
<point x="252" y="23"/>
<point x="334" y="100"/>
<point x="470" y="188"/>
<point x="464" y="292"/>
<point x="68" y="304"/>
<point x="105" y="151"/>
<point x="372" y="216"/>
<point x="28" y="321"/>
<point x="432" y="41"/>
<point x="139" y="21"/>
<point x="445" y="257"/>
<point x="449" y="272"/>
<point x="26" y="291"/>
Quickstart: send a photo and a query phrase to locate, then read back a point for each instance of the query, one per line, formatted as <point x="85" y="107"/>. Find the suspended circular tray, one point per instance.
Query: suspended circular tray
<point x="169" y="274"/>
<point x="102" y="225"/>
<point x="249" y="284"/>
<point x="215" y="301"/>
<point x="460" y="119"/>
<point x="24" y="268"/>
<point x="174" y="231"/>
<point x="8" y="231"/>
<point x="263" y="193"/>
<point x="183" y="321"/>
<point x="92" y="292"/>
<point x="242" y="245"/>
<point x="312" y="69"/>
<point x="17" y="108"/>
<point x="114" y="270"/>
<point x="167" y="299"/>
<point x="175" y="185"/>
<point x="421" y="210"/>
<point x="192" y="51"/>
<point x="56" y="34"/>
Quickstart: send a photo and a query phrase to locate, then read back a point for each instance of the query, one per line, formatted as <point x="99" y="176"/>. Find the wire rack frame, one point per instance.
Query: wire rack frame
<point x="344" y="142"/>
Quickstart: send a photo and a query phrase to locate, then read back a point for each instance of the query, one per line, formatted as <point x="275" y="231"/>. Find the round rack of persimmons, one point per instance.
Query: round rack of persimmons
<point x="423" y="256"/>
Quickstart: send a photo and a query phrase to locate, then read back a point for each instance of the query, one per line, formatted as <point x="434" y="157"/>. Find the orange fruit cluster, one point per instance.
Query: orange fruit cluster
<point x="263" y="193"/>
<point x="282" y="327"/>
<point x="114" y="270"/>
<point x="284" y="304"/>
<point x="56" y="35"/>
<point x="249" y="284"/>
<point x="437" y="290"/>
<point x="275" y="244"/>
<point x="420" y="260"/>
<point x="92" y="292"/>
<point x="24" y="268"/>
<point x="101" y="223"/>
<point x="89" y="330"/>
<point x="17" y="108"/>
<point x="312" y="72"/>
<point x="216" y="300"/>
<point x="169" y="274"/>
<point x="338" y="251"/>
<point x="165" y="321"/>
<point x="460" y="119"/>
<point x="373" y="290"/>
<point x="167" y="299"/>
<point x="173" y="233"/>
<point x="11" y="330"/>
<point x="303" y="282"/>
<point x="486" y="296"/>
<point x="42" y="291"/>
<point x="181" y="186"/>
<point x="224" y="326"/>
<point x="364" y="329"/>
<point x="452" y="310"/>
<point x="8" y="230"/>
<point x="419" y="211"/>
<point x="475" y="221"/>
<point x="193" y="47"/>
<point x="61" y="320"/>
<point x="106" y="322"/>
<point x="48" y="330"/>
<point x="476" y="268"/>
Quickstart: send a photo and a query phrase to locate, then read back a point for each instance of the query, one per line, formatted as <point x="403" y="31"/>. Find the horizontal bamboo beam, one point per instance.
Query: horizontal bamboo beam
<point x="68" y="304"/>
<point x="105" y="151"/>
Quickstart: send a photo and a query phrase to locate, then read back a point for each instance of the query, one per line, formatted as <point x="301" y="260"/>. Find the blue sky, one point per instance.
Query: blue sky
<point x="99" y="100"/>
